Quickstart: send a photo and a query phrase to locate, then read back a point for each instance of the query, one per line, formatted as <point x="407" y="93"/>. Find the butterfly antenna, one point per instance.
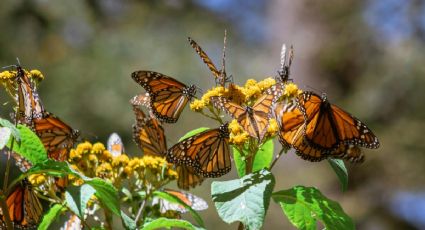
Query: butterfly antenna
<point x="223" y="61"/>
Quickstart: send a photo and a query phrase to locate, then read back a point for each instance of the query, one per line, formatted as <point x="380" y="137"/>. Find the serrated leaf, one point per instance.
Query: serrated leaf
<point x="50" y="216"/>
<point x="174" y="199"/>
<point x="168" y="224"/>
<point x="13" y="129"/>
<point x="106" y="193"/>
<point x="341" y="171"/>
<point x="128" y="222"/>
<point x="245" y="200"/>
<point x="264" y="156"/>
<point x="304" y="206"/>
<point x="86" y="192"/>
<point x="5" y="134"/>
<point x="30" y="146"/>
<point x="193" y="132"/>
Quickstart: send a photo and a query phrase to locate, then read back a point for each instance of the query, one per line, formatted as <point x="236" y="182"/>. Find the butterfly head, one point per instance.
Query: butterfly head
<point x="75" y="133"/>
<point x="190" y="91"/>
<point x="224" y="130"/>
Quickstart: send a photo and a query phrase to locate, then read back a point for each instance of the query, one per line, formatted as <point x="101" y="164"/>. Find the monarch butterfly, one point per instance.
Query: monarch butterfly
<point x="220" y="76"/>
<point x="24" y="206"/>
<point x="168" y="96"/>
<point x="115" y="145"/>
<point x="207" y="152"/>
<point x="295" y="121"/>
<point x="149" y="135"/>
<point x="195" y="202"/>
<point x="253" y="119"/>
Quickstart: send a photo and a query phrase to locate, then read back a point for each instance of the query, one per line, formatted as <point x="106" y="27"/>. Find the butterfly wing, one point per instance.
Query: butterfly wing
<point x="168" y="96"/>
<point x="205" y="58"/>
<point x="195" y="202"/>
<point x="188" y="177"/>
<point x="115" y="145"/>
<point x="148" y="134"/>
<point x="208" y="152"/>
<point x="24" y="207"/>
<point x="262" y="112"/>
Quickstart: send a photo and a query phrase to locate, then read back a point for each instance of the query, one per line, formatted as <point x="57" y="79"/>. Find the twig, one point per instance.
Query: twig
<point x="277" y="158"/>
<point x="139" y="212"/>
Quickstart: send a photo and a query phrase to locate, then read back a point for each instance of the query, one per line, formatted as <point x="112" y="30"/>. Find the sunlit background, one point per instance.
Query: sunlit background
<point x="368" y="56"/>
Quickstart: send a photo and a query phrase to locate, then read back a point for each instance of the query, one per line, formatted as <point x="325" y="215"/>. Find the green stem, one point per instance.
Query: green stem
<point x="277" y="158"/>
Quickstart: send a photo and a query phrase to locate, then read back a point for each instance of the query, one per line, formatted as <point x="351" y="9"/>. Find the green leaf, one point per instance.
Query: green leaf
<point x="106" y="193"/>
<point x="245" y="200"/>
<point x="169" y="223"/>
<point x="30" y="146"/>
<point x="86" y="192"/>
<point x="341" y="171"/>
<point x="50" y="216"/>
<point x="13" y="129"/>
<point x="240" y="160"/>
<point x="304" y="206"/>
<point x="174" y="199"/>
<point x="128" y="222"/>
<point x="264" y="156"/>
<point x="4" y="136"/>
<point x="193" y="132"/>
<point x="52" y="168"/>
<point x="70" y="202"/>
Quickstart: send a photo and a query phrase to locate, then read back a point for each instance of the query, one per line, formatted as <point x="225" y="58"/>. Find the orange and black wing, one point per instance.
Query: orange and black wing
<point x="328" y="126"/>
<point x="188" y="177"/>
<point x="205" y="58"/>
<point x="207" y="152"/>
<point x="56" y="136"/>
<point x="168" y="96"/>
<point x="148" y="134"/>
<point x="291" y="132"/>
<point x="24" y="207"/>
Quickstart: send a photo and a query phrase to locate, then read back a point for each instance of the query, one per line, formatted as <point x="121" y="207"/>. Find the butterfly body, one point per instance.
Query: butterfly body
<point x="168" y="96"/>
<point x="253" y="119"/>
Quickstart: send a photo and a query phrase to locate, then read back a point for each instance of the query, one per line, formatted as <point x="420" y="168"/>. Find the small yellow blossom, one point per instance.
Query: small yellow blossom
<point x="7" y="75"/>
<point x="266" y="83"/>
<point x="36" y="74"/>
<point x="234" y="127"/>
<point x="121" y="160"/>
<point x="104" y="170"/>
<point x="37" y="179"/>
<point x="250" y="83"/>
<point x="239" y="139"/>
<point x="172" y="174"/>
<point x="98" y="148"/>
<point x="105" y="156"/>
<point x="291" y="90"/>
<point x="273" y="127"/>
<point x="84" y="148"/>
<point x="74" y="155"/>
<point x="128" y="171"/>
<point x="217" y="91"/>
<point x="197" y="105"/>
<point x="92" y="159"/>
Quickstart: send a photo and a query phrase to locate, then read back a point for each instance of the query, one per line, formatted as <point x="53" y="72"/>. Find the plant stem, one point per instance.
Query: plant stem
<point x="6" y="215"/>
<point x="277" y="158"/>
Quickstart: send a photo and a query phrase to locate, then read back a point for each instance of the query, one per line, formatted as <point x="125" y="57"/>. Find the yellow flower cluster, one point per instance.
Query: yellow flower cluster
<point x="291" y="90"/>
<point x="237" y="94"/>
<point x="272" y="128"/>
<point x="238" y="136"/>
<point x="94" y="160"/>
<point x="37" y="179"/>
<point x="6" y="75"/>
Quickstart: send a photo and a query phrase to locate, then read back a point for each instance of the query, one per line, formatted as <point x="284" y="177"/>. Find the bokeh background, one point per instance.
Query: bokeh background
<point x="368" y="56"/>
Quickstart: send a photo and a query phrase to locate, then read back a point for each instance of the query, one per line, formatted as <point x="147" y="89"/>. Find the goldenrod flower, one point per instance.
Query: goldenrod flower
<point x="273" y="127"/>
<point x="291" y="90"/>
<point x="217" y="91"/>
<point x="84" y="148"/>
<point x="128" y="171"/>
<point x="251" y="89"/>
<point x="266" y="83"/>
<point x="105" y="156"/>
<point x="92" y="158"/>
<point x="36" y="74"/>
<point x="234" y="127"/>
<point x="250" y="83"/>
<point x="121" y="160"/>
<point x="5" y="75"/>
<point x="98" y="148"/>
<point x="172" y="174"/>
<point x="104" y="171"/>
<point x="37" y="179"/>
<point x="239" y="139"/>
<point x="197" y="105"/>
<point x="74" y="155"/>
